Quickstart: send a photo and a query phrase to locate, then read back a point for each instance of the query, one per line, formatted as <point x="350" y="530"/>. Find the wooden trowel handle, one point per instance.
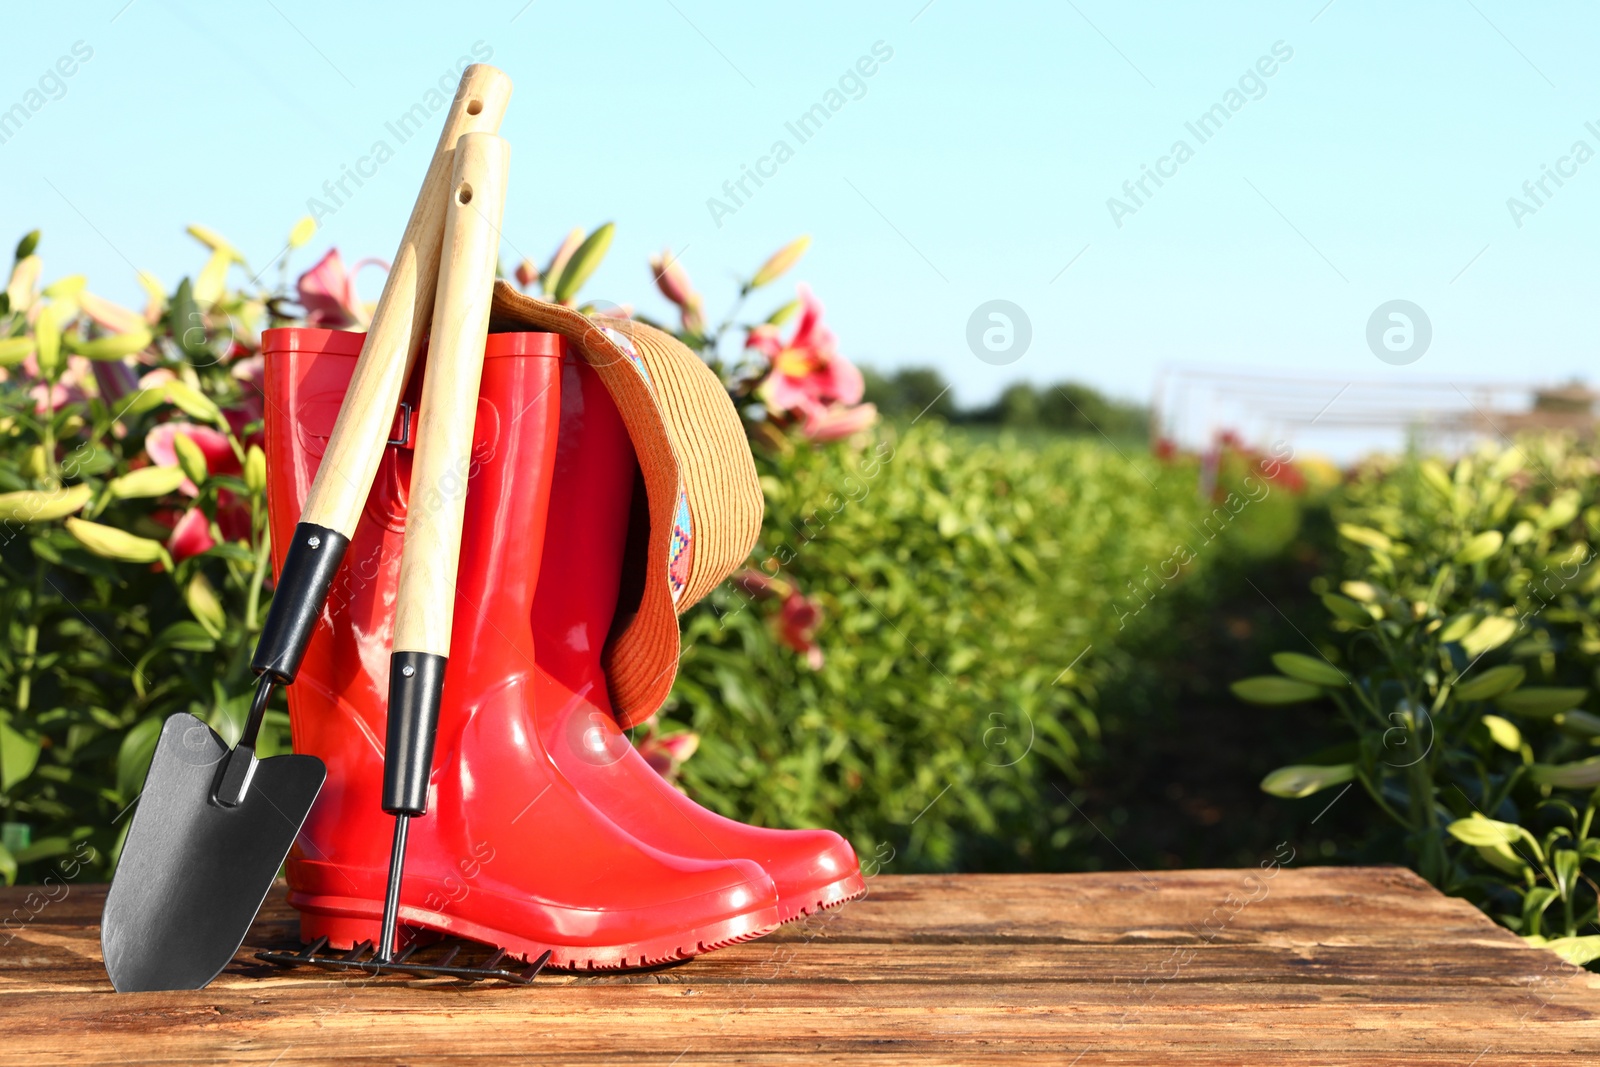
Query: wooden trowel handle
<point x="401" y="319"/>
<point x="441" y="467"/>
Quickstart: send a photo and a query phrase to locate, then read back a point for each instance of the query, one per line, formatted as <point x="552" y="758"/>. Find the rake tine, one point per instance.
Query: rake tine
<point x="494" y="968"/>
<point x="538" y="965"/>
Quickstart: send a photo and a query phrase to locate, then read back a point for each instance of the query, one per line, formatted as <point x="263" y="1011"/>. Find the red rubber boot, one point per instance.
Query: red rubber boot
<point x="509" y="853"/>
<point x="572" y="613"/>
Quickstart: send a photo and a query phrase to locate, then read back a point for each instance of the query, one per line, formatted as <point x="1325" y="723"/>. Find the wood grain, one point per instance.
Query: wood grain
<point x="400" y="321"/>
<point x="1310" y="966"/>
<point x="475" y="208"/>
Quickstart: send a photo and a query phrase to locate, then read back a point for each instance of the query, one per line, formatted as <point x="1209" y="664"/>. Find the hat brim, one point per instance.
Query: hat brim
<point x="704" y="499"/>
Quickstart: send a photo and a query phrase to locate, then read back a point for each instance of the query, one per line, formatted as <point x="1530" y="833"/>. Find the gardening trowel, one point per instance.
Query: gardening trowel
<point x="213" y="825"/>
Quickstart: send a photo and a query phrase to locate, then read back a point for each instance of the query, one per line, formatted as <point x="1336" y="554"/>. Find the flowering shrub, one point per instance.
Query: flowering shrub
<point x="134" y="562"/>
<point x="1462" y="646"/>
<point x="913" y="655"/>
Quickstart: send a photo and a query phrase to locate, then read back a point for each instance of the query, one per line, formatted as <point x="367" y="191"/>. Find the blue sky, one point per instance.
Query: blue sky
<point x="977" y="163"/>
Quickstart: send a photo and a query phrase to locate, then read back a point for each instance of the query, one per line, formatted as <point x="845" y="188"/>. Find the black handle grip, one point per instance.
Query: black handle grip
<point x="302" y="590"/>
<point x="416" y="689"/>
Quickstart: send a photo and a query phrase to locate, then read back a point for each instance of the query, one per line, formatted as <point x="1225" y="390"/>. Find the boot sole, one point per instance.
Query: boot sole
<point x="829" y="896"/>
<point x="347" y="922"/>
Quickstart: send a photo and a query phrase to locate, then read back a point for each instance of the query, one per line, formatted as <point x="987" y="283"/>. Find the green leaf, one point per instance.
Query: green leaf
<point x="26" y="246"/>
<point x="783" y="314"/>
<point x="1481" y="547"/>
<point x="1366" y="536"/>
<point x="1346" y="610"/>
<point x="1458" y="626"/>
<point x="1272" y="689"/>
<point x="1578" y="723"/>
<point x="1365" y="592"/>
<point x="1504" y="733"/>
<point x="187" y="324"/>
<point x="192" y="402"/>
<point x="1541" y="702"/>
<point x="19" y="754"/>
<point x="1491" y="633"/>
<point x="1304" y="780"/>
<point x="8" y="866"/>
<point x="1491" y="683"/>
<point x="133" y="758"/>
<point x="1584" y="774"/>
<point x="190" y="458"/>
<point x="1578" y="951"/>
<point x="1562" y="510"/>
<point x="1311" y="669"/>
<point x="1437" y="478"/>
<point x="583" y="263"/>
<point x="187" y="636"/>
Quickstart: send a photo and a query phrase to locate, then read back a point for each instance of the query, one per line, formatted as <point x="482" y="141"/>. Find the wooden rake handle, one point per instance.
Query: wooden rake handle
<point x="441" y="466"/>
<point x="401" y="319"/>
<point x="332" y="508"/>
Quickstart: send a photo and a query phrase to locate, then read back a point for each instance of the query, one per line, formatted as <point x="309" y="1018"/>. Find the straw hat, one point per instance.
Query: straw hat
<point x="704" y="501"/>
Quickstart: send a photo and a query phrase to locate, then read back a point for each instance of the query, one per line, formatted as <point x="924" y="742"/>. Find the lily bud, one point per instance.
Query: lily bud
<point x="31" y="505"/>
<point x="781" y="261"/>
<point x="255" y="469"/>
<point x="116" y="346"/>
<point x="112" y="543"/>
<point x="109" y="316"/>
<point x="206" y="605"/>
<point x="303" y="231"/>
<point x="23" y="286"/>
<point x="146" y="482"/>
<point x="558" y="261"/>
<point x="214" y="241"/>
<point x="527" y="273"/>
<point x="672" y="280"/>
<point x="191" y="460"/>
<point x="582" y="263"/>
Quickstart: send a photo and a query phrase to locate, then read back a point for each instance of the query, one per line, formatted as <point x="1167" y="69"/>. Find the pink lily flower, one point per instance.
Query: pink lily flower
<point x="798" y="621"/>
<point x="159" y="446"/>
<point x="807" y="369"/>
<point x="837" y="421"/>
<point x="191" y="536"/>
<point x="328" y="293"/>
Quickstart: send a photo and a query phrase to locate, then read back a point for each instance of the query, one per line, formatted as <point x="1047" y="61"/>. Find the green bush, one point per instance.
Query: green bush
<point x="977" y="600"/>
<point x="128" y="590"/>
<point x="1461" y="650"/>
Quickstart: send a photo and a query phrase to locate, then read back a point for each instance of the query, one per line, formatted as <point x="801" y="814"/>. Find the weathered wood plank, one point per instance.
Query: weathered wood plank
<point x="1333" y="965"/>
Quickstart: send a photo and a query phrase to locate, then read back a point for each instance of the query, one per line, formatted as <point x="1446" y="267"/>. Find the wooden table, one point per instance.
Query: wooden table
<point x="1309" y="966"/>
